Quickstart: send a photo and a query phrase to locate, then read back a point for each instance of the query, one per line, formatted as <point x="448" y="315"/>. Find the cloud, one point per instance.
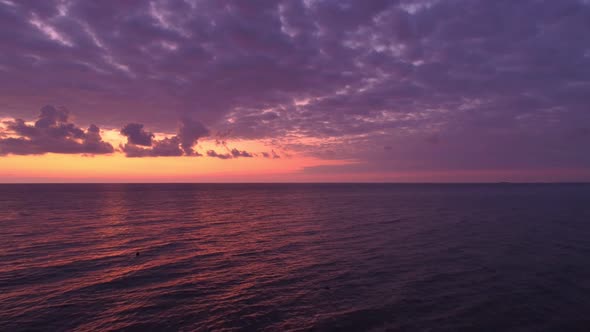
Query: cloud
<point x="189" y="132"/>
<point x="233" y="153"/>
<point x="141" y="143"/>
<point x="167" y="147"/>
<point x="237" y="153"/>
<point x="440" y="90"/>
<point x="51" y="133"/>
<point x="214" y="154"/>
<point x="137" y="135"/>
<point x="272" y="155"/>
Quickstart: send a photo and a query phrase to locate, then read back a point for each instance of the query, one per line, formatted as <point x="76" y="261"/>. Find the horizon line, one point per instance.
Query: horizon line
<point x="319" y="182"/>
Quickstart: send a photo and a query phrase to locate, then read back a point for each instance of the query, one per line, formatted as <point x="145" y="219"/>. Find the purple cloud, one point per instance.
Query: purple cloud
<point x="504" y="84"/>
<point x="52" y="133"/>
<point x="237" y="153"/>
<point x="140" y="143"/>
<point x="137" y="135"/>
<point x="167" y="147"/>
<point x="214" y="154"/>
<point x="272" y="154"/>
<point x="189" y="132"/>
<point x="233" y="153"/>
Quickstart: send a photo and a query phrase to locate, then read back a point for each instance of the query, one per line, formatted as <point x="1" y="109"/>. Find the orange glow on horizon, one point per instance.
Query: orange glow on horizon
<point x="57" y="168"/>
<point x="118" y="168"/>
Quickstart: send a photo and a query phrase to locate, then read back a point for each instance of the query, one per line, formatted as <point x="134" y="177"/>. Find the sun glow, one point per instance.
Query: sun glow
<point x="118" y="168"/>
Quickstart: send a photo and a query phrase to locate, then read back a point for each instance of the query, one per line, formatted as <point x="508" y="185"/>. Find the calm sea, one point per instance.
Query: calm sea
<point x="295" y="257"/>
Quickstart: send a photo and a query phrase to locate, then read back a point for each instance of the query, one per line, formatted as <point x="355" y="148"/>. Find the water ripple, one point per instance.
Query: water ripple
<point x="294" y="257"/>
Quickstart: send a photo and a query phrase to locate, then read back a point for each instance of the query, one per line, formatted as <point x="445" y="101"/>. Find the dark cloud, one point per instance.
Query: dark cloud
<point x="51" y="133"/>
<point x="233" y="153"/>
<point x="167" y="147"/>
<point x="189" y="132"/>
<point x="214" y="154"/>
<point x="137" y="135"/>
<point x="237" y="153"/>
<point x="272" y="154"/>
<point x="502" y="84"/>
<point x="140" y="143"/>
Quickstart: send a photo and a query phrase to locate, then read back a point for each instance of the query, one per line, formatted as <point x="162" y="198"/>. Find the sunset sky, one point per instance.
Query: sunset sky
<point x="294" y="91"/>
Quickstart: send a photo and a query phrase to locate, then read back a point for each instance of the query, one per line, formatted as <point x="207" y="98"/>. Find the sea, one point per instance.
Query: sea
<point x="295" y="257"/>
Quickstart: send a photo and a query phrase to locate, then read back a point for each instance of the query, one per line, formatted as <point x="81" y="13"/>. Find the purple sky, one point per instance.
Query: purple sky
<point x="423" y="85"/>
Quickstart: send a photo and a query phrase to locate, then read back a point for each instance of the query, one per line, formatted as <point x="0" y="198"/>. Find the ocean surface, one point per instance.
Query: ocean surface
<point x="295" y="257"/>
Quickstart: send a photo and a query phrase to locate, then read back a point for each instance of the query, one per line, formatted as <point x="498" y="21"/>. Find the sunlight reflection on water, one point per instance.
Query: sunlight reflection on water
<point x="293" y="257"/>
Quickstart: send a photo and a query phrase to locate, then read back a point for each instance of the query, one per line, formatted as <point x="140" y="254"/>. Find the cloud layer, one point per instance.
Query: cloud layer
<point x="52" y="132"/>
<point x="141" y="143"/>
<point x="136" y="135"/>
<point x="397" y="85"/>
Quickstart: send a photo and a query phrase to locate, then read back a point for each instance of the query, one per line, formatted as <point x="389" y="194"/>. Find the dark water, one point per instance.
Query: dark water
<point x="295" y="257"/>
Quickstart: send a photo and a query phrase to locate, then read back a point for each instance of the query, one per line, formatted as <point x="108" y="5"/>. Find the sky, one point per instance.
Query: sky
<point x="294" y="91"/>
